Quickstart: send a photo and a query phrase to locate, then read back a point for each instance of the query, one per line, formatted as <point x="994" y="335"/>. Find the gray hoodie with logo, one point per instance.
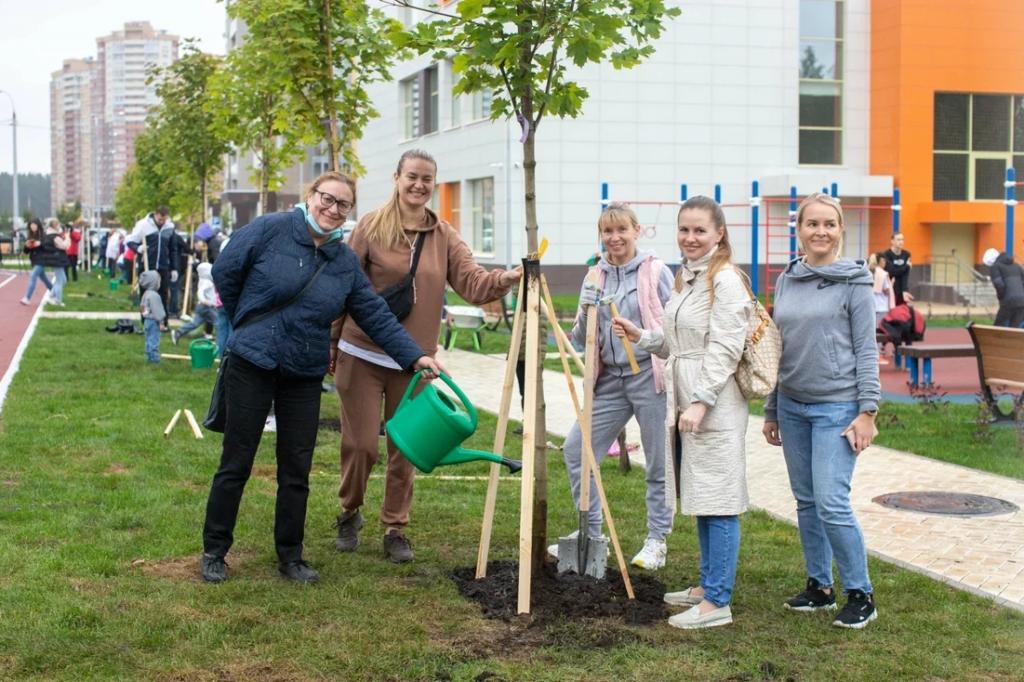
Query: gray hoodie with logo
<point x="827" y="319"/>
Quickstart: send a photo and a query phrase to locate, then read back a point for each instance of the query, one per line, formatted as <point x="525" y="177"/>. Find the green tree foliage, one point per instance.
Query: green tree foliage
<point x="322" y="55"/>
<point x="150" y="181"/>
<point x="521" y="51"/>
<point x="194" y="146"/>
<point x="251" y="110"/>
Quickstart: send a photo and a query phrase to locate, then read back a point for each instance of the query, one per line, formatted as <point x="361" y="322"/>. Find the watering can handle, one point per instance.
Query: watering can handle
<point x="470" y="408"/>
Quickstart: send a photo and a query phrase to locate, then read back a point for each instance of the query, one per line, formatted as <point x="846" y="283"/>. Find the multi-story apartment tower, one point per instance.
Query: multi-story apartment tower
<point x="71" y="118"/>
<point x="122" y="97"/>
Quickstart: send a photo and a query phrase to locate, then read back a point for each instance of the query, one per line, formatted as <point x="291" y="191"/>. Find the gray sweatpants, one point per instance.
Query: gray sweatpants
<point x="616" y="400"/>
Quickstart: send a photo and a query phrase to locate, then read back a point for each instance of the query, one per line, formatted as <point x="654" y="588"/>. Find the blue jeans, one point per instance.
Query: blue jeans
<point x="200" y="316"/>
<point x="820" y="463"/>
<point x="719" y="538"/>
<point x="223" y="325"/>
<point x="152" y="340"/>
<point x="60" y="278"/>
<point x="38" y="273"/>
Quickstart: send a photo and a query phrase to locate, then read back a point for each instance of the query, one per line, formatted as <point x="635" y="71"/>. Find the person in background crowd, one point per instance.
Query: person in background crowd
<point x="1008" y="280"/>
<point x="152" y="310"/>
<point x="823" y="410"/>
<point x="154" y="240"/>
<point x="33" y="240"/>
<point x="204" y="313"/>
<point x="898" y="265"/>
<point x="52" y="253"/>
<point x="74" y="237"/>
<point x="115" y="245"/>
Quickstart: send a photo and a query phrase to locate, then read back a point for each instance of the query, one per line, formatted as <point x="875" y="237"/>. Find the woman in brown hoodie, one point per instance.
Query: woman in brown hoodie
<point x="384" y="240"/>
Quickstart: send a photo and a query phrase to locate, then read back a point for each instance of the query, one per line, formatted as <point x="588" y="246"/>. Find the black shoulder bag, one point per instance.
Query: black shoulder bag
<point x="399" y="297"/>
<point x="217" y="413"/>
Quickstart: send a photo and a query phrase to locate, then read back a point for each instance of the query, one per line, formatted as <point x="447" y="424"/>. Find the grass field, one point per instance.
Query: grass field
<point x="101" y="519"/>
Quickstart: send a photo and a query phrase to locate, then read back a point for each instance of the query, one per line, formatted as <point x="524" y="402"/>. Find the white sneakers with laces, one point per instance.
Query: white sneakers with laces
<point x="652" y="555"/>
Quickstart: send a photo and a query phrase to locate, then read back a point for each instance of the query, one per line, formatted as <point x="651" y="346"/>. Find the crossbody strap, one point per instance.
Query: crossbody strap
<point x="293" y="299"/>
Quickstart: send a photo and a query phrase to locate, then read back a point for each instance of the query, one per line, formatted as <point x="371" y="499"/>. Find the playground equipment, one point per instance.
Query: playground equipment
<point x="429" y="428"/>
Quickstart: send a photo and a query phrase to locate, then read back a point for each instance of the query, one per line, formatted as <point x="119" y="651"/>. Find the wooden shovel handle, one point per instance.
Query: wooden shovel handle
<point x="626" y="343"/>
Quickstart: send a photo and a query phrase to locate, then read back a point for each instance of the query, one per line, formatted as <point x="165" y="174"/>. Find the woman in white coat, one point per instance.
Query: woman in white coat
<point x="705" y="327"/>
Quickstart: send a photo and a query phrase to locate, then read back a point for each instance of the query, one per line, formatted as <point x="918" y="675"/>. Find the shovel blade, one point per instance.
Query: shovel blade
<point x="596" y="561"/>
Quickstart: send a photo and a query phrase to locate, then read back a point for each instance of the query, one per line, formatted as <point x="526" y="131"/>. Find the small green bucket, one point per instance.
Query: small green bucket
<point x="114" y="284"/>
<point x="202" y="352"/>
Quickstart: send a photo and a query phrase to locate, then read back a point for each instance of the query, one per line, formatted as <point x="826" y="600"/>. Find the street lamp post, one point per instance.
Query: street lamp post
<point x="14" y="177"/>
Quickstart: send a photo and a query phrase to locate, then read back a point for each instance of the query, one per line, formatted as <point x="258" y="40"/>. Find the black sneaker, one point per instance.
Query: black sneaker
<point x="348" y="525"/>
<point x="397" y="548"/>
<point x="213" y="568"/>
<point x="298" y="571"/>
<point x="812" y="599"/>
<point x="858" y="611"/>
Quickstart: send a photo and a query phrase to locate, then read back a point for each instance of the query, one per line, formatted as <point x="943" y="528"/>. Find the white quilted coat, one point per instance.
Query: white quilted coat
<point x="702" y="344"/>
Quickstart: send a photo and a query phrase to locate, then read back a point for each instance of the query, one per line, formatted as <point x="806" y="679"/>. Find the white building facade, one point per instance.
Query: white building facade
<point x="773" y="91"/>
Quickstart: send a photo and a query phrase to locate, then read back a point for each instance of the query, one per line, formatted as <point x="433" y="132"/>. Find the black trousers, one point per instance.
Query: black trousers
<point x="249" y="393"/>
<point x="1009" y="316"/>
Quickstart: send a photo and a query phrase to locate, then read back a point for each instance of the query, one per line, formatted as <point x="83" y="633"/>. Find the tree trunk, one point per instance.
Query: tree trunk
<point x="264" y="176"/>
<point x="332" y="123"/>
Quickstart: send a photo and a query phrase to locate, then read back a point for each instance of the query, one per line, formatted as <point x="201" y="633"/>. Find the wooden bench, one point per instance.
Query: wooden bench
<point x="926" y="352"/>
<point x="1000" y="353"/>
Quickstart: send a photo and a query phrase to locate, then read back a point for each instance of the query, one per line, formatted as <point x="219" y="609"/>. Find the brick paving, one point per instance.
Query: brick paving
<point x="983" y="555"/>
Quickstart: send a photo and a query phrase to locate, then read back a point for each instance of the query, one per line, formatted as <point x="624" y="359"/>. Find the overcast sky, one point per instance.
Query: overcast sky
<point x="36" y="36"/>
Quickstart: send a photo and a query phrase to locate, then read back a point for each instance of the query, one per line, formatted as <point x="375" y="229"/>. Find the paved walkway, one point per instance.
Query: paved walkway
<point x="983" y="555"/>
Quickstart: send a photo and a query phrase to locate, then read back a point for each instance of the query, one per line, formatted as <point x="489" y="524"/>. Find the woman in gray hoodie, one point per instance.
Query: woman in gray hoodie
<point x="822" y="412"/>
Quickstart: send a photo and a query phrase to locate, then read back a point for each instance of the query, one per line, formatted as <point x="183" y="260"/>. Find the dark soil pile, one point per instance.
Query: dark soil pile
<point x="329" y="424"/>
<point x="562" y="596"/>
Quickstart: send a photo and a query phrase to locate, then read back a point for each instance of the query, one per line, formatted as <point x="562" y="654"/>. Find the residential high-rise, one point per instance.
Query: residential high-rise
<point x="122" y="97"/>
<point x="71" y="149"/>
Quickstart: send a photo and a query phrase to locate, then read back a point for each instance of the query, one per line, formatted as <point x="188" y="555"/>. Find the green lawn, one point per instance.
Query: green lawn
<point x="101" y="519"/>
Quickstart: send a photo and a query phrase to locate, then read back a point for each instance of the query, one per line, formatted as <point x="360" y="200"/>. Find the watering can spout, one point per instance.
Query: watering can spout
<point x="464" y="455"/>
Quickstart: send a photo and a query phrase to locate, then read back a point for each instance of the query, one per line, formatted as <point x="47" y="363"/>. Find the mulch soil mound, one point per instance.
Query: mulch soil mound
<point x="560" y="596"/>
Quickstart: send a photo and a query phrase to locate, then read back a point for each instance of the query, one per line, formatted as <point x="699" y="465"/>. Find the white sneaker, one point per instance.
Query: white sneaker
<point x="652" y="555"/>
<point x="693" y="620"/>
<point x="684" y="598"/>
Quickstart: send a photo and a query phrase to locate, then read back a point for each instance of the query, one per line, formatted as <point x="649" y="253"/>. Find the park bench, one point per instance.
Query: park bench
<point x="1000" y="353"/>
<point x="916" y="354"/>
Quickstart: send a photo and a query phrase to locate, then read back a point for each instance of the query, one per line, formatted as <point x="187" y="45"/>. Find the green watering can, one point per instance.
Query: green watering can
<point x="429" y="428"/>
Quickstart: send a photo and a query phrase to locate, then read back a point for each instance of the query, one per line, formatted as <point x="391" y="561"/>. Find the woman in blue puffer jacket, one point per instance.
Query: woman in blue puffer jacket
<point x="279" y="354"/>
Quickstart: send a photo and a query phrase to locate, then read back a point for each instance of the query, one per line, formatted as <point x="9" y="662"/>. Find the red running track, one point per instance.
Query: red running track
<point x="15" y="320"/>
<point x="950" y="375"/>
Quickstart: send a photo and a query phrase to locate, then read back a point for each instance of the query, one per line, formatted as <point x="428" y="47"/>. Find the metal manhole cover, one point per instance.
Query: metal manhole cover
<point x="953" y="504"/>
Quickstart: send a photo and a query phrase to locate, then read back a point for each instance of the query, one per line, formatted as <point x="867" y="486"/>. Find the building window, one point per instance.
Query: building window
<point x="418" y="103"/>
<point x="481" y="215"/>
<point x="482" y="104"/>
<point x="975" y="137"/>
<point x="821" y="82"/>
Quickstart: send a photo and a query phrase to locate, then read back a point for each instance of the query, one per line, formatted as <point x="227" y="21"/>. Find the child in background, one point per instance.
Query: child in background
<point x="642" y="285"/>
<point x="152" y="308"/>
<point x="205" y="301"/>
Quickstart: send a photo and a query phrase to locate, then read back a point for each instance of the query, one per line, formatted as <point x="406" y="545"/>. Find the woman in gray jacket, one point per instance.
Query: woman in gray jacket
<point x="702" y="337"/>
<point x="822" y="412"/>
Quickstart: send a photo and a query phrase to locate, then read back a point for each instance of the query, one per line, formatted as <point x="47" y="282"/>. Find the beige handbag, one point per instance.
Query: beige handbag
<point x="758" y="369"/>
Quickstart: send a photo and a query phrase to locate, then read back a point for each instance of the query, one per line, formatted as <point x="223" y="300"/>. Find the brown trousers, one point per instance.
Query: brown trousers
<point x="362" y="386"/>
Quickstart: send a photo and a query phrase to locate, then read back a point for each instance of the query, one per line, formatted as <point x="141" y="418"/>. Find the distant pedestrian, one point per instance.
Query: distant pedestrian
<point x="74" y="236"/>
<point x="1008" y="279"/>
<point x="885" y="296"/>
<point x="152" y="309"/>
<point x="33" y="241"/>
<point x="52" y="253"/>
<point x="898" y="265"/>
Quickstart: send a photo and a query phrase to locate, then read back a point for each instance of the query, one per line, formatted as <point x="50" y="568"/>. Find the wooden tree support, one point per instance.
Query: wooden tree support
<point x="190" y="418"/>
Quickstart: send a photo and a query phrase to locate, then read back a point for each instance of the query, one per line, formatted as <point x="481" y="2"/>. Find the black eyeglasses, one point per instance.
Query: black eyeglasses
<point x="329" y="201"/>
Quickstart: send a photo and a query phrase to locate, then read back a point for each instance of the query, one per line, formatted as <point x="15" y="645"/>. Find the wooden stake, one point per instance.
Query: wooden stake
<point x="588" y="451"/>
<point x="188" y="287"/>
<point x="529" y="426"/>
<point x="499" y="437"/>
<point x="194" y="424"/>
<point x="557" y="330"/>
<point x="170" y="425"/>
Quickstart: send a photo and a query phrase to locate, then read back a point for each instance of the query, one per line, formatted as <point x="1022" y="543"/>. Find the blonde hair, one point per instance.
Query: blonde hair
<point x="820" y="198"/>
<point x="329" y="176"/>
<point x="384" y="225"/>
<point x="723" y="255"/>
<point x="615" y="214"/>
